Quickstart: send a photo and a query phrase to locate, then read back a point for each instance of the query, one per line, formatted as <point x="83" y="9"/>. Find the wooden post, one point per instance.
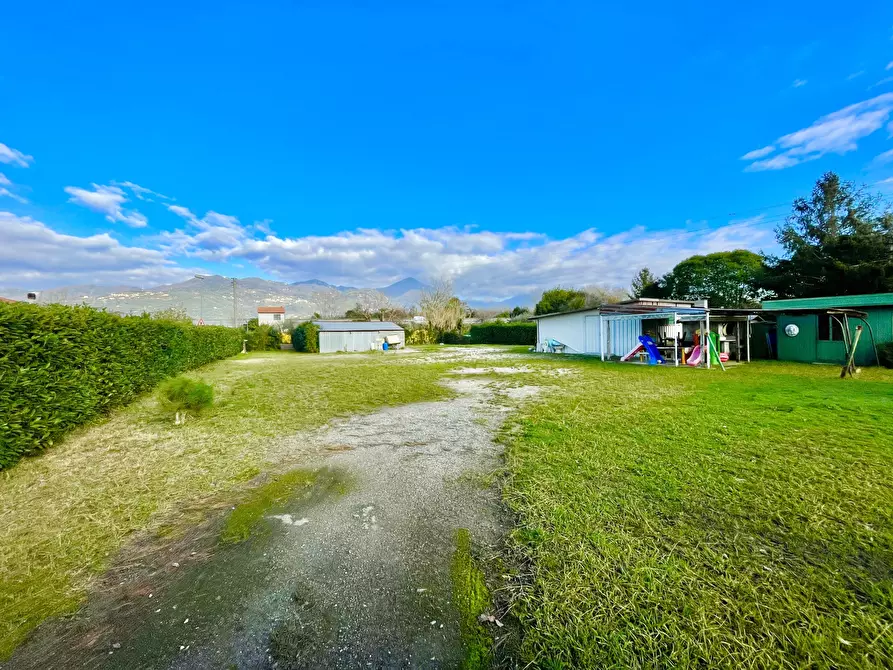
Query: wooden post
<point x="849" y="367"/>
<point x="706" y="337"/>
<point x="748" y="339"/>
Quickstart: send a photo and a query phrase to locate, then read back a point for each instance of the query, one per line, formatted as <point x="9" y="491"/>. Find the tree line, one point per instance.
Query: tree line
<point x="836" y="241"/>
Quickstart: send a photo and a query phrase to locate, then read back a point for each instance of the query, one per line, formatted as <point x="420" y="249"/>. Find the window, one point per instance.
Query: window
<point x="829" y="329"/>
<point x="277" y="317"/>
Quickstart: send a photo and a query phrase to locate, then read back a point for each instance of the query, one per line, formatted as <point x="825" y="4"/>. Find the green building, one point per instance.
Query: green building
<point x="812" y="329"/>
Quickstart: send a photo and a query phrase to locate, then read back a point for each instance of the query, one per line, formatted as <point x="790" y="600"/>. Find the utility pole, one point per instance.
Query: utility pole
<point x="201" y="299"/>
<point x="235" y="325"/>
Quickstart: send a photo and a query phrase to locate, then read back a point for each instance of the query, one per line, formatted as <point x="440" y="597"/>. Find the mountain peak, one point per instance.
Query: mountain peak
<point x="406" y="285"/>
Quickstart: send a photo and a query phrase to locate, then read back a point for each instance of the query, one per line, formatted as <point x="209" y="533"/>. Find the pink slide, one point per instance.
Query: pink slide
<point x="694" y="358"/>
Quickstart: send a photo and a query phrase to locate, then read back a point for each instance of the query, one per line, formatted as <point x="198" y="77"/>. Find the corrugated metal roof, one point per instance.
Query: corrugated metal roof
<point x="348" y="326"/>
<point x="271" y="310"/>
<point x="829" y="302"/>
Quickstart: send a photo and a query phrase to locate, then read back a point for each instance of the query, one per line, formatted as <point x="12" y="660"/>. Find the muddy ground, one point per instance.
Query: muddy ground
<point x="351" y="571"/>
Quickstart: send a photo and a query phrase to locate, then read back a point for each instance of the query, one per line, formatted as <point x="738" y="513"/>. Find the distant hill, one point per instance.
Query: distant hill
<point x="211" y="298"/>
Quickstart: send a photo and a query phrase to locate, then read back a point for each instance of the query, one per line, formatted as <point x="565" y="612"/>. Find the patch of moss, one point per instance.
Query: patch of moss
<point x="243" y="520"/>
<point x="473" y="599"/>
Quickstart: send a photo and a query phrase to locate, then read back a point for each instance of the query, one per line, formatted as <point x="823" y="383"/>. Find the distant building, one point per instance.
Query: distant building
<point x="7" y="300"/>
<point x="271" y="316"/>
<point x="358" y="335"/>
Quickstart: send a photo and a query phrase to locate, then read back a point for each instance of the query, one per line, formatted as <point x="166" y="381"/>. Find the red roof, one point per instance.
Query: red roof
<point x="271" y="310"/>
<point x="12" y="301"/>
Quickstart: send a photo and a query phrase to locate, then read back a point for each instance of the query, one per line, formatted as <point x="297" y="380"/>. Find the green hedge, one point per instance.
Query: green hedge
<point x="305" y="337"/>
<point x="61" y="366"/>
<point x="522" y="332"/>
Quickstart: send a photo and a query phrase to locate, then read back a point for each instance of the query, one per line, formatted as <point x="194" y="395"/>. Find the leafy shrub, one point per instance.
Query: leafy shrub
<point x="62" y="366"/>
<point x="306" y="338"/>
<point x="263" y="338"/>
<point x="504" y="333"/>
<point x="453" y="337"/>
<point x="182" y="393"/>
<point x="885" y="354"/>
<point x="420" y="336"/>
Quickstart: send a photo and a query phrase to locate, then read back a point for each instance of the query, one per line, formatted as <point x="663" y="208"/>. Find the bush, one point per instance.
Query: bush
<point x="62" y="366"/>
<point x="306" y="338"/>
<point x="452" y="337"/>
<point x="504" y="333"/>
<point x="885" y="354"/>
<point x="263" y="338"/>
<point x="420" y="336"/>
<point x="181" y="393"/>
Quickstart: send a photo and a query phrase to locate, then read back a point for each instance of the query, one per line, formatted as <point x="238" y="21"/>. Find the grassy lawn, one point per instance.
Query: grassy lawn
<point x="678" y="518"/>
<point x="66" y="512"/>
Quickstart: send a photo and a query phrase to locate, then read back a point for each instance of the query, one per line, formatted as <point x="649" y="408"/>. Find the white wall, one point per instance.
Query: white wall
<point x="569" y="329"/>
<point x="361" y="340"/>
<point x="270" y="319"/>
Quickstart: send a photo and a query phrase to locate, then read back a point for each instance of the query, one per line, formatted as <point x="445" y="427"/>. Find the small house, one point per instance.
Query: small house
<point x="359" y="336"/>
<point x="270" y="316"/>
<point x="817" y="330"/>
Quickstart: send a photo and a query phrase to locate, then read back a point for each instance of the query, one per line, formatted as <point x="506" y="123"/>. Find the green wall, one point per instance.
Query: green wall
<point x="808" y="348"/>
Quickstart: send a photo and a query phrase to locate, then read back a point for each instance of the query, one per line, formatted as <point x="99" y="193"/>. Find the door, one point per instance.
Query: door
<point x="799" y="347"/>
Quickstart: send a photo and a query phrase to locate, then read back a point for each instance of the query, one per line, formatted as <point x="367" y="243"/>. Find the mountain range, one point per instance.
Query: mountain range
<point x="211" y="298"/>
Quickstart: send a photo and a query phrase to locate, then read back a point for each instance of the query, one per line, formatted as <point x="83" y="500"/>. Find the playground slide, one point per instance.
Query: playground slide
<point x="694" y="358"/>
<point x="714" y="348"/>
<point x="651" y="348"/>
<point x="636" y="349"/>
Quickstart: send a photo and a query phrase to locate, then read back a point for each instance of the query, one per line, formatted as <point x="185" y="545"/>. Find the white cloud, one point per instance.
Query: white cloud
<point x="837" y="133"/>
<point x="5" y="192"/>
<point x="34" y="255"/>
<point x="490" y="265"/>
<point x="107" y="200"/>
<point x="799" y="82"/>
<point x="855" y="75"/>
<point x="485" y="265"/>
<point x="889" y="65"/>
<point x="217" y="234"/>
<point x="883" y="159"/>
<point x="141" y="192"/>
<point x="13" y="156"/>
<point x="758" y="153"/>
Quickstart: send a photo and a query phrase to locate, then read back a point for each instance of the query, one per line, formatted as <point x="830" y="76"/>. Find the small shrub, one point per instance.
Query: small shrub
<point x="181" y="394"/>
<point x="504" y="333"/>
<point x="306" y="338"/>
<point x="885" y="354"/>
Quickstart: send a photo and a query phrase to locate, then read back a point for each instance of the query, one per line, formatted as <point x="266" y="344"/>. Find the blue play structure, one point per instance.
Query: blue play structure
<point x="649" y="345"/>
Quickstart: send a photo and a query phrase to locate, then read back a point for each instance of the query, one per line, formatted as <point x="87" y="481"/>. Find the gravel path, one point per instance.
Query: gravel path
<point x="358" y="580"/>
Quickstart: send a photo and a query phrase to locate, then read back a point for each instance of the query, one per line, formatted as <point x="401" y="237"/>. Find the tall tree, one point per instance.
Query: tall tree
<point x="644" y="285"/>
<point x="599" y="295"/>
<point x="442" y="310"/>
<point x="838" y="241"/>
<point x="724" y="279"/>
<point x="560" y="300"/>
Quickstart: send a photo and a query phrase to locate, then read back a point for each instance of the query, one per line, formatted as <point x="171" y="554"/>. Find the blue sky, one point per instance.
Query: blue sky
<point x="509" y="146"/>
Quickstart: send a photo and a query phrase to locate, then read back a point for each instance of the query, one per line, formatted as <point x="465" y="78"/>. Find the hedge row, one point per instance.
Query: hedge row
<point x="61" y="366"/>
<point x="522" y="332"/>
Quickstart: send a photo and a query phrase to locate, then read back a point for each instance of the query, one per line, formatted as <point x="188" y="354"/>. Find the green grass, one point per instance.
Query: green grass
<point x="472" y="599"/>
<point x="680" y="518"/>
<point x="67" y="512"/>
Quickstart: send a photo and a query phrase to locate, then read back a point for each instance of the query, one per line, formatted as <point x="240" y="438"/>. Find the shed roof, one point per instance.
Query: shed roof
<point x="271" y="310"/>
<point x="355" y="326"/>
<point x="830" y="302"/>
<point x="7" y="300"/>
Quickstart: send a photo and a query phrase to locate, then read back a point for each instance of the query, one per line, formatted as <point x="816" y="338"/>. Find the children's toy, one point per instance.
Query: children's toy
<point x="649" y="345"/>
<point x="636" y="349"/>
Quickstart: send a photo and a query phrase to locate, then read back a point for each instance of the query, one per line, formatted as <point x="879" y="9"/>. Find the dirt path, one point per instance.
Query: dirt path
<point x="354" y="575"/>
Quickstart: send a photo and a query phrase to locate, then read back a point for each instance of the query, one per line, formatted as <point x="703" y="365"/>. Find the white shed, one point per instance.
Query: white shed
<point x="613" y="330"/>
<point x="359" y="335"/>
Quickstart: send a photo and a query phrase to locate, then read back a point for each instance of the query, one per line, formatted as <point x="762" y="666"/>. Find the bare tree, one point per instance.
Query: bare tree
<point x="328" y="303"/>
<point x="441" y="308"/>
<point x="599" y="295"/>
